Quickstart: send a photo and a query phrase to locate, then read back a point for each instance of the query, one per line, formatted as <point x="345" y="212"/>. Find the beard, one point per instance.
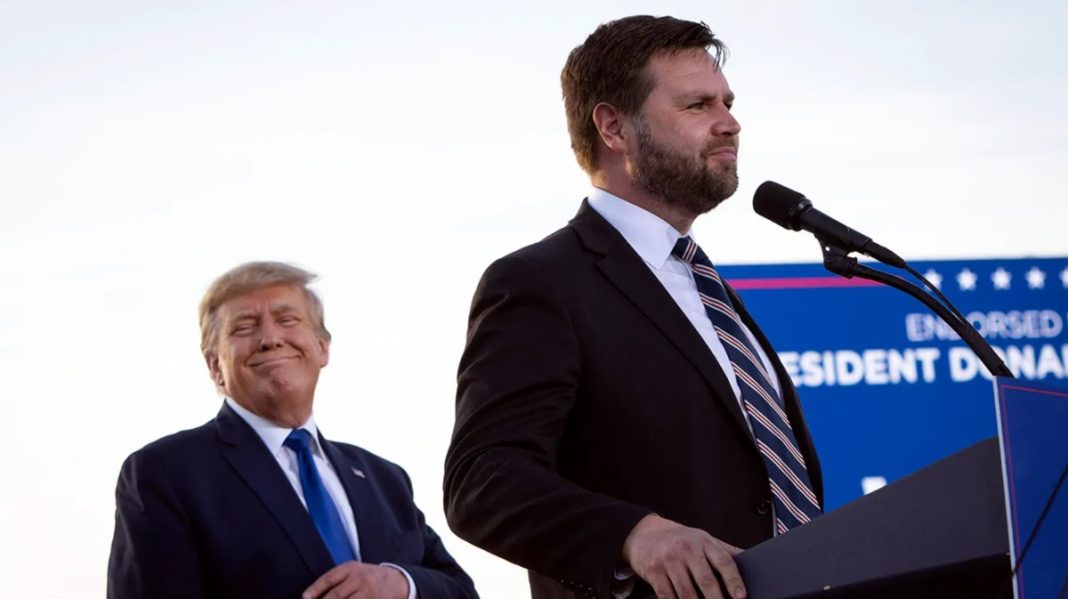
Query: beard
<point x="687" y="182"/>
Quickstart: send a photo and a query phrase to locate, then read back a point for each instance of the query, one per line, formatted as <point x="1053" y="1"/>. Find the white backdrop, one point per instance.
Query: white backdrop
<point x="396" y="149"/>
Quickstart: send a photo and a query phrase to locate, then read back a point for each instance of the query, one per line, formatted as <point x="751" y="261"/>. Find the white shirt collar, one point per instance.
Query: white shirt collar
<point x="273" y="434"/>
<point x="650" y="236"/>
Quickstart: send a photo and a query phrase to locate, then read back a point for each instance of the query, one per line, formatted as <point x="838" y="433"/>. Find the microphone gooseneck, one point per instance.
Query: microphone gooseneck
<point x="792" y="210"/>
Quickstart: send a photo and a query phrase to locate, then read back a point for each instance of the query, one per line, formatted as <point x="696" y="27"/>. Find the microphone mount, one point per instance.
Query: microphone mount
<point x="792" y="210"/>
<point x="838" y="261"/>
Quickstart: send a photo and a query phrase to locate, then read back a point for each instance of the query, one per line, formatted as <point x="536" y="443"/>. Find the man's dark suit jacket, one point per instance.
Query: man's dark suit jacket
<point x="208" y="513"/>
<point x="586" y="401"/>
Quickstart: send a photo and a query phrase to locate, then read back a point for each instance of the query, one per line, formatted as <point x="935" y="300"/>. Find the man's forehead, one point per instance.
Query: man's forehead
<point x="689" y="78"/>
<point x="681" y="64"/>
<point x="275" y="298"/>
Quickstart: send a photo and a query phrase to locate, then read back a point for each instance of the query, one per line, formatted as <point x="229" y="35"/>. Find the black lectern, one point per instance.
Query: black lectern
<point x="940" y="532"/>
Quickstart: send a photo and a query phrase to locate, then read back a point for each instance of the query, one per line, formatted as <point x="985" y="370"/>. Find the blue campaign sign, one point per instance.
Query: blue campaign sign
<point x="887" y="387"/>
<point x="1033" y="419"/>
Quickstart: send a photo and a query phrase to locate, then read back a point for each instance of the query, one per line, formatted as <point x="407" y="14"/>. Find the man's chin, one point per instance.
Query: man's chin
<point x="721" y="193"/>
<point x="706" y="205"/>
<point x="706" y="202"/>
<point x="282" y="387"/>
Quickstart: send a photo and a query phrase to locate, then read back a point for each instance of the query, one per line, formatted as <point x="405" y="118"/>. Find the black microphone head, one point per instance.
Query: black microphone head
<point x="780" y="205"/>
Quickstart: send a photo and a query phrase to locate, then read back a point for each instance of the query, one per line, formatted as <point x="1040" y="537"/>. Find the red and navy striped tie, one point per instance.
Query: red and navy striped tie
<point x="791" y="490"/>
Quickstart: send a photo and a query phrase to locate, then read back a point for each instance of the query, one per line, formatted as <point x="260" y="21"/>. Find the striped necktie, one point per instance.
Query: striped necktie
<point x="791" y="491"/>
<point x="321" y="508"/>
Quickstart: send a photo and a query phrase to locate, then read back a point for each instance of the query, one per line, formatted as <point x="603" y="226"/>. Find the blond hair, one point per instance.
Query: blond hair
<point x="252" y="276"/>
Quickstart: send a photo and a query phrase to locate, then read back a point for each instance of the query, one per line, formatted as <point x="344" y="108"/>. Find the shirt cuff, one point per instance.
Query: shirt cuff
<point x="412" y="594"/>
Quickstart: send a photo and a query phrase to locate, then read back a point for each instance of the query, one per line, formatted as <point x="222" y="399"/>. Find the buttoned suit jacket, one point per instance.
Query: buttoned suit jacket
<point x="586" y="400"/>
<point x="208" y="512"/>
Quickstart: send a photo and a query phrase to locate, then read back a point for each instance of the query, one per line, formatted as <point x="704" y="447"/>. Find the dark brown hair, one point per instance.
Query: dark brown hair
<point x="610" y="67"/>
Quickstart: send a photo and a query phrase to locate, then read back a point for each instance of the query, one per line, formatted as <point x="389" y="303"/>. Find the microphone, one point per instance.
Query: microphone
<point x="792" y="210"/>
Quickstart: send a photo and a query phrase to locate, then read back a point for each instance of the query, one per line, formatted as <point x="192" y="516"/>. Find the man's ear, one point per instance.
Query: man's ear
<point x="609" y="121"/>
<point x="324" y="352"/>
<point x="212" y="360"/>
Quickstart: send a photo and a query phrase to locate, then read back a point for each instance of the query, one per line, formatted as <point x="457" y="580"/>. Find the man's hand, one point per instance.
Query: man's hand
<point x="369" y="580"/>
<point x="672" y="557"/>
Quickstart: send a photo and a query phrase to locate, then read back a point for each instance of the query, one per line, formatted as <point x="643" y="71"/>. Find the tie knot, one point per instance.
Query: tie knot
<point x="298" y="440"/>
<point x="685" y="249"/>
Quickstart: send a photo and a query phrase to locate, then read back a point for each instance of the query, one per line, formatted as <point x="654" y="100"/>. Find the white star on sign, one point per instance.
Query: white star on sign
<point x="933" y="276"/>
<point x="966" y="279"/>
<point x="1064" y="276"/>
<point x="1001" y="278"/>
<point x="1036" y="279"/>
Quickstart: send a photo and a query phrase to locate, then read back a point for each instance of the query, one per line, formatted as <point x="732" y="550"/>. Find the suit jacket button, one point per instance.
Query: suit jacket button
<point x="764" y="507"/>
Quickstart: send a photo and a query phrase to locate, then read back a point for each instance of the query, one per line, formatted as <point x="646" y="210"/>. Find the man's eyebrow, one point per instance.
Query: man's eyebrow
<point x="283" y="308"/>
<point x="728" y="98"/>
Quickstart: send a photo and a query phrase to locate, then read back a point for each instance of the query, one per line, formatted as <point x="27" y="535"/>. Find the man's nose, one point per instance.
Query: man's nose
<point x="270" y="337"/>
<point x="726" y="124"/>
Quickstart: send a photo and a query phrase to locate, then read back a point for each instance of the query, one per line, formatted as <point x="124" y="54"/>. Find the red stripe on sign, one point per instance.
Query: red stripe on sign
<point x="801" y="283"/>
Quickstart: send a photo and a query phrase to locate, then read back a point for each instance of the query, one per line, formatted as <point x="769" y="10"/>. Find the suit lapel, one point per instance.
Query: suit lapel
<point x="626" y="270"/>
<point x="245" y="452"/>
<point x="361" y="496"/>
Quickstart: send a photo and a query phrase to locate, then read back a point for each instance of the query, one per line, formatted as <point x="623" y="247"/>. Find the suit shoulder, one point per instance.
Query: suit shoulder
<point x="557" y="253"/>
<point x="561" y="243"/>
<point x="177" y="445"/>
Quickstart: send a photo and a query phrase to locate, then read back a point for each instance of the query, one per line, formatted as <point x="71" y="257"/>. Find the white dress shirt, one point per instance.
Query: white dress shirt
<point x="653" y="239"/>
<point x="274" y="436"/>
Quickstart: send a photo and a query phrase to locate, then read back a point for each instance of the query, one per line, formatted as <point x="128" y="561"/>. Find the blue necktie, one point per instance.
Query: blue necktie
<point x="791" y="490"/>
<point x="322" y="509"/>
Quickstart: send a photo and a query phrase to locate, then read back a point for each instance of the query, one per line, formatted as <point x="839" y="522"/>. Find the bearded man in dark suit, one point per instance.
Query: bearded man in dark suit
<point x="604" y="434"/>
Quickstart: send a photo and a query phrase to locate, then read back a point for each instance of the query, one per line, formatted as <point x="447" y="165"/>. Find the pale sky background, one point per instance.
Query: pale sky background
<point x="397" y="148"/>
